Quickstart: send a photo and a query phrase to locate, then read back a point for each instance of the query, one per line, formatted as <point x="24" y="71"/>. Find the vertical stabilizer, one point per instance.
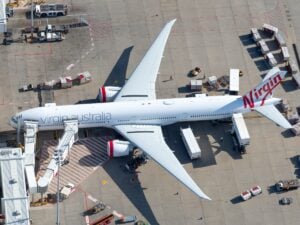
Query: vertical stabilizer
<point x="264" y="90"/>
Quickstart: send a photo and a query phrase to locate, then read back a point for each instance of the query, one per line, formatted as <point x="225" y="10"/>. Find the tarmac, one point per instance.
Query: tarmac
<point x="213" y="35"/>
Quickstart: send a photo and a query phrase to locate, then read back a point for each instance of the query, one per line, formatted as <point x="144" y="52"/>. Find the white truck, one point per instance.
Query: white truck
<point x="50" y="10"/>
<point x="190" y="143"/>
<point x="239" y="132"/>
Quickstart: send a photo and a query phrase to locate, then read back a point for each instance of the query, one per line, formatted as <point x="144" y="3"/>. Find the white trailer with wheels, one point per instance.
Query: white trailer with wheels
<point x="190" y="143"/>
<point x="239" y="132"/>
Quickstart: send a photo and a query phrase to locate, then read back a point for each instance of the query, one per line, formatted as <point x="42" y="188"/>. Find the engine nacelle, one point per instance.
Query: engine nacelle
<point x="118" y="148"/>
<point x="107" y="94"/>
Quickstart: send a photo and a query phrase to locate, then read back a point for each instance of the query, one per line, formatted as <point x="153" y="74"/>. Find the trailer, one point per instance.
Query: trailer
<point x="271" y="59"/>
<point x="255" y="34"/>
<point x="240" y="134"/>
<point x="269" y="28"/>
<point x="190" y="143"/>
<point x="104" y="220"/>
<point x="280" y="39"/>
<point x="292" y="67"/>
<point x="50" y="10"/>
<point x="234" y="82"/>
<point x="285" y="185"/>
<point x="285" y="53"/>
<point x="263" y="47"/>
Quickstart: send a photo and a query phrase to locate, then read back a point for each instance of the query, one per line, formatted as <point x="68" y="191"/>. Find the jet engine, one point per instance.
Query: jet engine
<point x="107" y="94"/>
<point x="117" y="148"/>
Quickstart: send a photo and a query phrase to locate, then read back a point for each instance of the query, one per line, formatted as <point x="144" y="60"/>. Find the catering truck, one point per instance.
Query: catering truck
<point x="239" y="132"/>
<point x="190" y="143"/>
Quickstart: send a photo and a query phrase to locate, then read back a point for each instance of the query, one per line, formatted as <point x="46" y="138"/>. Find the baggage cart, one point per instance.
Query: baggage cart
<point x="255" y="35"/>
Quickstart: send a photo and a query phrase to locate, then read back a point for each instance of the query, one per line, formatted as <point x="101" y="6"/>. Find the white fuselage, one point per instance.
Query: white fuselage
<point x="153" y="112"/>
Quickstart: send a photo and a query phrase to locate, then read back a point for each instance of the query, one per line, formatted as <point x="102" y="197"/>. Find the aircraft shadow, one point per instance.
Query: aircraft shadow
<point x="115" y="168"/>
<point x="203" y="129"/>
<point x="287" y="134"/>
<point x="131" y="187"/>
<point x="117" y="76"/>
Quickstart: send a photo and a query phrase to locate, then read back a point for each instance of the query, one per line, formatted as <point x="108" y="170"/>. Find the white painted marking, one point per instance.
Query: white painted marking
<point x="70" y="66"/>
<point x="119" y="215"/>
<point x="92" y="198"/>
<point x="87" y="220"/>
<point x="76" y="15"/>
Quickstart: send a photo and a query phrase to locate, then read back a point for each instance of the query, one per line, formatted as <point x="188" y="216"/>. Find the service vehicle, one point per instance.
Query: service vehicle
<point x="246" y="195"/>
<point x="256" y="190"/>
<point x="66" y="191"/>
<point x="50" y="36"/>
<point x="9" y="11"/>
<point x="190" y="143"/>
<point x="285" y="201"/>
<point x="50" y="10"/>
<point x="240" y="134"/>
<point x="285" y="185"/>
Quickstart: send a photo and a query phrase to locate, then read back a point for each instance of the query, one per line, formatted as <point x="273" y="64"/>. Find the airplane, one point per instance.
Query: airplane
<point x="135" y="113"/>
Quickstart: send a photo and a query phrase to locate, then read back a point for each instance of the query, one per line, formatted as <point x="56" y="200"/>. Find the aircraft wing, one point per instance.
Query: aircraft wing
<point x="150" y="139"/>
<point x="141" y="84"/>
<point x="273" y="114"/>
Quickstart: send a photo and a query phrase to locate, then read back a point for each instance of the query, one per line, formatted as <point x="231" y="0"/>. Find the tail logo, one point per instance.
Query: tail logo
<point x="262" y="92"/>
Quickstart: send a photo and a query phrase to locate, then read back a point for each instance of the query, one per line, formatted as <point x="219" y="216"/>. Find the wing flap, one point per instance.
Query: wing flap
<point x="150" y="139"/>
<point x="274" y="115"/>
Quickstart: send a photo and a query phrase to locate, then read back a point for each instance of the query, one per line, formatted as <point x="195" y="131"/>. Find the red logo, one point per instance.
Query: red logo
<point x="262" y="93"/>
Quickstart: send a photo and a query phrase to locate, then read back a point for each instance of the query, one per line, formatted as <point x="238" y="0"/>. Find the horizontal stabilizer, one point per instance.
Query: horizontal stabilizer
<point x="273" y="114"/>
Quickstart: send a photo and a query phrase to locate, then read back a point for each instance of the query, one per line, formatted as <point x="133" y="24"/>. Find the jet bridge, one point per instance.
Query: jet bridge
<point x="31" y="128"/>
<point x="61" y="152"/>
